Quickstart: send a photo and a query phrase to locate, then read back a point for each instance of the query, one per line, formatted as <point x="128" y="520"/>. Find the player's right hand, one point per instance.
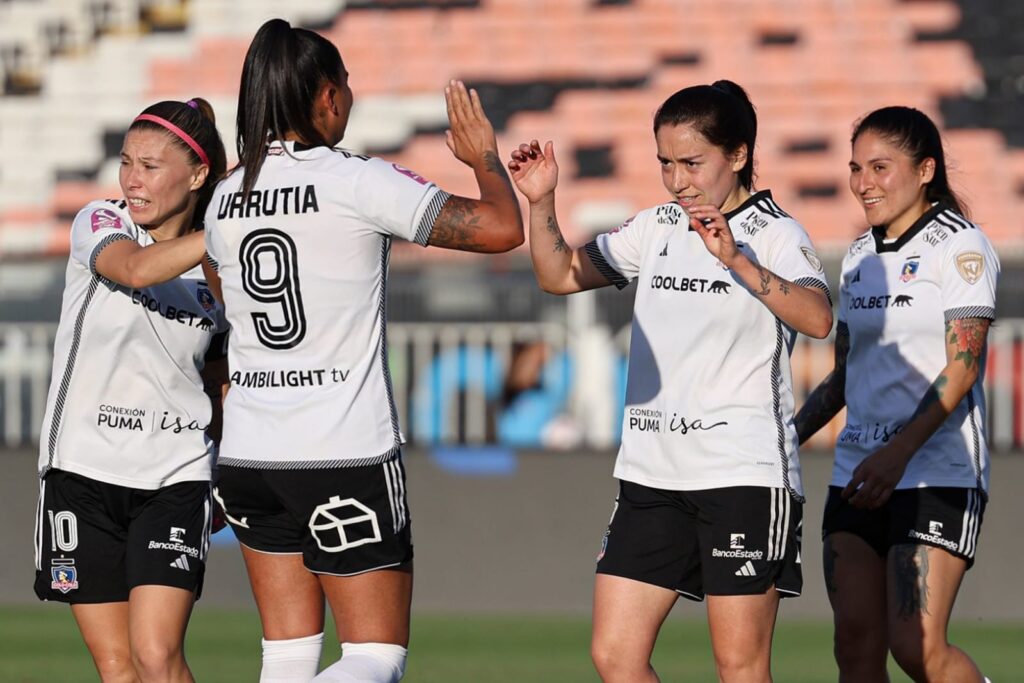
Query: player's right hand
<point x="471" y="135"/>
<point x="534" y="171"/>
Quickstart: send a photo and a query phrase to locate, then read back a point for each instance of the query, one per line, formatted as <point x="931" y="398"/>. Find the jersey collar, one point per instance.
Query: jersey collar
<point x="878" y="231"/>
<point x="292" y="145"/>
<point x="747" y="203"/>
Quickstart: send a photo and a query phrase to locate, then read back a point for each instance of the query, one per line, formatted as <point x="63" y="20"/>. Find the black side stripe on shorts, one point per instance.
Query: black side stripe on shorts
<point x="778" y="524"/>
<point x="970" y="525"/>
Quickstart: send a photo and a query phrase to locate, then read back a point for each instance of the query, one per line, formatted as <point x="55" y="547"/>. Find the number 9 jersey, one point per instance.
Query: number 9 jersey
<point x="303" y="263"/>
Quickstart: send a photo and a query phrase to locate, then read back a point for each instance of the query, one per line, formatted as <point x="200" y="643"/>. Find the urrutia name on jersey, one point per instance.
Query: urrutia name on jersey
<point x="271" y="202"/>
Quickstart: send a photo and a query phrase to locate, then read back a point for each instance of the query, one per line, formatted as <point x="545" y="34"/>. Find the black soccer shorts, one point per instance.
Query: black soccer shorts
<point x="96" y="541"/>
<point x="344" y="521"/>
<point x="738" y="540"/>
<point x="943" y="517"/>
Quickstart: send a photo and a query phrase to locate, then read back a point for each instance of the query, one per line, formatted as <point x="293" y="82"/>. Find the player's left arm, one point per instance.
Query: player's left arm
<point x="215" y="385"/>
<point x="492" y="223"/>
<point x="805" y="309"/>
<point x="875" y="479"/>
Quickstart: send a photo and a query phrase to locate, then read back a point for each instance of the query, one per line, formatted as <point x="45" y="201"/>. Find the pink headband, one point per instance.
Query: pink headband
<point x="177" y="131"/>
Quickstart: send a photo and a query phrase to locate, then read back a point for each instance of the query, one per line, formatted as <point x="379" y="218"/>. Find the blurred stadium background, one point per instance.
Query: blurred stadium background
<point x="511" y="398"/>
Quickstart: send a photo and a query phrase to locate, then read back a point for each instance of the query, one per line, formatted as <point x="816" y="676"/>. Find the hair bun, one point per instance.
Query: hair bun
<point x="204" y="108"/>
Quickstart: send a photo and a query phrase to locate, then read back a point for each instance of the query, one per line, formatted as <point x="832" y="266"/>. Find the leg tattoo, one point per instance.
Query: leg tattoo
<point x="910" y="566"/>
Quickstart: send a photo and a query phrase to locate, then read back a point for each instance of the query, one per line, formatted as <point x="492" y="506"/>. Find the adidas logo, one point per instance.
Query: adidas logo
<point x="856" y="277"/>
<point x="664" y="252"/>
<point x="182" y="563"/>
<point x="746" y="570"/>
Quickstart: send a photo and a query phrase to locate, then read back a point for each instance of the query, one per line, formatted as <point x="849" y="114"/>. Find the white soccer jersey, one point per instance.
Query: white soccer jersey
<point x="895" y="298"/>
<point x="126" y="404"/>
<point x="303" y="264"/>
<point x="709" y="400"/>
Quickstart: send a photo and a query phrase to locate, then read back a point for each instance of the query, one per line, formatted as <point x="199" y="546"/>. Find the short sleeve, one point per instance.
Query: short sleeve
<point x="969" y="271"/>
<point x="617" y="254"/>
<point x="213" y="244"/>
<point x="398" y="201"/>
<point x="96" y="226"/>
<point x="792" y="256"/>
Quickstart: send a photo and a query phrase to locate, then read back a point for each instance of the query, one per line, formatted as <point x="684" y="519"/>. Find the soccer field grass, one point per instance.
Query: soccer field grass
<point x="41" y="645"/>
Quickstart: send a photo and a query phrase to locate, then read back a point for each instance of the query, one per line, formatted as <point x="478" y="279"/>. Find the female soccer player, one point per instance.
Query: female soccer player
<point x="311" y="476"/>
<point x="123" y="522"/>
<point x="910" y="479"/>
<point x="710" y="499"/>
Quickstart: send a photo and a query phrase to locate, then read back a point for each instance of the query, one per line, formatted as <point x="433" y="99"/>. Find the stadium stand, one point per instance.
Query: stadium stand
<point x="590" y="76"/>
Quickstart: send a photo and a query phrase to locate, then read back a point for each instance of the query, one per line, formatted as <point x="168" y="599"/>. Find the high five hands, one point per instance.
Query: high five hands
<point x="534" y="171"/>
<point x="471" y="135"/>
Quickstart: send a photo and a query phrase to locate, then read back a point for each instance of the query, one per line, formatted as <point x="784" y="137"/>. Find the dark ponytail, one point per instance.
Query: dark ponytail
<point x="196" y="119"/>
<point x="913" y="133"/>
<point x="284" y="70"/>
<point x="722" y="113"/>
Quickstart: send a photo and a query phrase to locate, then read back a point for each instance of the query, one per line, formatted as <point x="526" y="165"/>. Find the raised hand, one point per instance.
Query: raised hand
<point x="707" y="220"/>
<point x="471" y="136"/>
<point x="534" y="172"/>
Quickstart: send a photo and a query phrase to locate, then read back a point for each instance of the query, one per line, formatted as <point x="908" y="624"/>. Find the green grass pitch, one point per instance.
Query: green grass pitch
<point x="40" y="644"/>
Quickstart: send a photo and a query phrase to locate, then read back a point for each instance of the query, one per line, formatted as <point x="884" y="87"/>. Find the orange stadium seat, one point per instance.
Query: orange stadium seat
<point x="812" y="68"/>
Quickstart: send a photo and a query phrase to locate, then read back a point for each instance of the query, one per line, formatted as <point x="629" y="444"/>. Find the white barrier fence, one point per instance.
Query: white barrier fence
<point x="451" y="380"/>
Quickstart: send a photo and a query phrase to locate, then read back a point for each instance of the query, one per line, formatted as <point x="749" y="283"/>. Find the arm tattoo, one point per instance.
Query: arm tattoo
<point x="560" y="245"/>
<point x="457" y="226"/>
<point x="968" y="335"/>
<point x="493" y="164"/>
<point x="910" y="569"/>
<point x="830" y="396"/>
<point x="829" y="565"/>
<point x="766" y="279"/>
<point x="932" y="396"/>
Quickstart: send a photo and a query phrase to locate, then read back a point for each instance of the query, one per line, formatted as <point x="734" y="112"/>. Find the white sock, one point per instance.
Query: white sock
<point x="366" y="663"/>
<point x="291" y="661"/>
